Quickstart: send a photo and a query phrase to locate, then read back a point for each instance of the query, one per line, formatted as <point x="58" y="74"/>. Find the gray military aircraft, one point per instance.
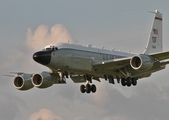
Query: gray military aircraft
<point x="85" y="64"/>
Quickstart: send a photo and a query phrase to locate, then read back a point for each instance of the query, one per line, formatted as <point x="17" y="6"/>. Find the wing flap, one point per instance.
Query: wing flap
<point x="112" y="64"/>
<point x="164" y="63"/>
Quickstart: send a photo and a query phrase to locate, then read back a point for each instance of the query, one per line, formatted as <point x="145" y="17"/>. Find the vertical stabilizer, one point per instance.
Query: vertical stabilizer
<point x="155" y="39"/>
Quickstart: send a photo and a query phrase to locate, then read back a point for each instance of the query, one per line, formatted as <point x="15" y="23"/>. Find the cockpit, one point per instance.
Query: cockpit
<point x="50" y="48"/>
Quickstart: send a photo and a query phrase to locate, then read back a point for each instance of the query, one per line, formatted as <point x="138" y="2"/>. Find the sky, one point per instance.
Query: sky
<point x="28" y="26"/>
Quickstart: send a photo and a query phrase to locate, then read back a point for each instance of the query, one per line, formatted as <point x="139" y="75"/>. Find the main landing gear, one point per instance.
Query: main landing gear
<point x="88" y="88"/>
<point x="128" y="81"/>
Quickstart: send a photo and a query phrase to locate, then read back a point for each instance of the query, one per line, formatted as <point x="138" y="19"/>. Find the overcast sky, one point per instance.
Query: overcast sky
<point x="28" y="26"/>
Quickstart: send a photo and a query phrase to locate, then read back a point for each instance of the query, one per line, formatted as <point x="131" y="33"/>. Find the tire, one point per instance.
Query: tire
<point x="134" y="82"/>
<point x="82" y="89"/>
<point x="128" y="82"/>
<point x="93" y="88"/>
<point x="123" y="82"/>
<point x="88" y="88"/>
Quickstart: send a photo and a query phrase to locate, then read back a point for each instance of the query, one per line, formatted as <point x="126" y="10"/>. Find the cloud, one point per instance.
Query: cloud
<point x="10" y="106"/>
<point x="44" y="114"/>
<point x="20" y="60"/>
<point x="116" y="118"/>
<point x="104" y="95"/>
<point x="44" y="35"/>
<point x="146" y="101"/>
<point x="79" y="118"/>
<point x="36" y="40"/>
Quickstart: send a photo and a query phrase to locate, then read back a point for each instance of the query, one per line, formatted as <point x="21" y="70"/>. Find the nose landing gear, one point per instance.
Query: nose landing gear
<point x="62" y="78"/>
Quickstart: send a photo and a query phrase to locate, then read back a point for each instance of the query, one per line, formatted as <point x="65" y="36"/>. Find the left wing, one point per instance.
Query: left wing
<point x="122" y="62"/>
<point x="160" y="55"/>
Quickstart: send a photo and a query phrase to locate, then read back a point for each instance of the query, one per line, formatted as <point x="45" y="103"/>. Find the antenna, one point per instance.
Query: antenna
<point x="154" y="12"/>
<point x="112" y="49"/>
<point x="89" y="45"/>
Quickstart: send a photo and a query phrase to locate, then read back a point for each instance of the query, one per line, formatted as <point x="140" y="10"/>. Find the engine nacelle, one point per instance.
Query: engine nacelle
<point x="141" y="62"/>
<point x="43" y="80"/>
<point x="23" y="82"/>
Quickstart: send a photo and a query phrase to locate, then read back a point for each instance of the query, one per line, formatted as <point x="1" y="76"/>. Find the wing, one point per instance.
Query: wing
<point x="160" y="55"/>
<point x="15" y="74"/>
<point x="164" y="63"/>
<point x="112" y="64"/>
<point x="122" y="62"/>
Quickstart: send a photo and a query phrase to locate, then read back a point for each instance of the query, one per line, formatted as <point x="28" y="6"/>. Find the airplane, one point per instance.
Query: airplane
<point x="84" y="64"/>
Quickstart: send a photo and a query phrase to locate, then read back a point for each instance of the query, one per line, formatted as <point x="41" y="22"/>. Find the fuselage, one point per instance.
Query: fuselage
<point x="66" y="51"/>
<point x="77" y="59"/>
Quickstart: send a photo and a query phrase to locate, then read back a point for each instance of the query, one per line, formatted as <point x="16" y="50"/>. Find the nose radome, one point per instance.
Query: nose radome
<point x="42" y="57"/>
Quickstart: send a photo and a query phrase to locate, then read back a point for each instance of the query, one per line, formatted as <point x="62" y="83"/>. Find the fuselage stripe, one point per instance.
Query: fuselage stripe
<point x="157" y="18"/>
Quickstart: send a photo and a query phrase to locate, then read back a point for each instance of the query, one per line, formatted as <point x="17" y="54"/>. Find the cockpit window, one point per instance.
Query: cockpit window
<point x="56" y="48"/>
<point x="49" y="48"/>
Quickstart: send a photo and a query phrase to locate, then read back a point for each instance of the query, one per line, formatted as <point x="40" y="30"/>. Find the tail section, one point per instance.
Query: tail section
<point x="155" y="39"/>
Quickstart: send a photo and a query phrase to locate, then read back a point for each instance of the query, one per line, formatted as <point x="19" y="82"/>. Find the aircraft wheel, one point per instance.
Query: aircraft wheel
<point x="82" y="89"/>
<point x="88" y="88"/>
<point x="93" y="88"/>
<point x="123" y="82"/>
<point x="128" y="82"/>
<point x="134" y="82"/>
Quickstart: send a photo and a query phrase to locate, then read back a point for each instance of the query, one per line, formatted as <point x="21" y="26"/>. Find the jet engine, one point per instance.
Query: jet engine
<point x="141" y="62"/>
<point x="23" y="82"/>
<point x="44" y="79"/>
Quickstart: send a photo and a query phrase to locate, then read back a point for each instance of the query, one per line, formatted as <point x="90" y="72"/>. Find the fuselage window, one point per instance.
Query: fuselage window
<point x="111" y="57"/>
<point x="103" y="57"/>
<point x="108" y="57"/>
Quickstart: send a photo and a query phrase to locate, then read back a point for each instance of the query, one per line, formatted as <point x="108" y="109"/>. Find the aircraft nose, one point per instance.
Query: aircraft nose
<point x="42" y="57"/>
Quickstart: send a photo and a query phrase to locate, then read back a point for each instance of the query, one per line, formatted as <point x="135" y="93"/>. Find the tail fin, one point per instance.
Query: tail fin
<point x="155" y="39"/>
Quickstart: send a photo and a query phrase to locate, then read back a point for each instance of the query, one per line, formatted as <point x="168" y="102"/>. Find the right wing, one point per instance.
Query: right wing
<point x="24" y="81"/>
